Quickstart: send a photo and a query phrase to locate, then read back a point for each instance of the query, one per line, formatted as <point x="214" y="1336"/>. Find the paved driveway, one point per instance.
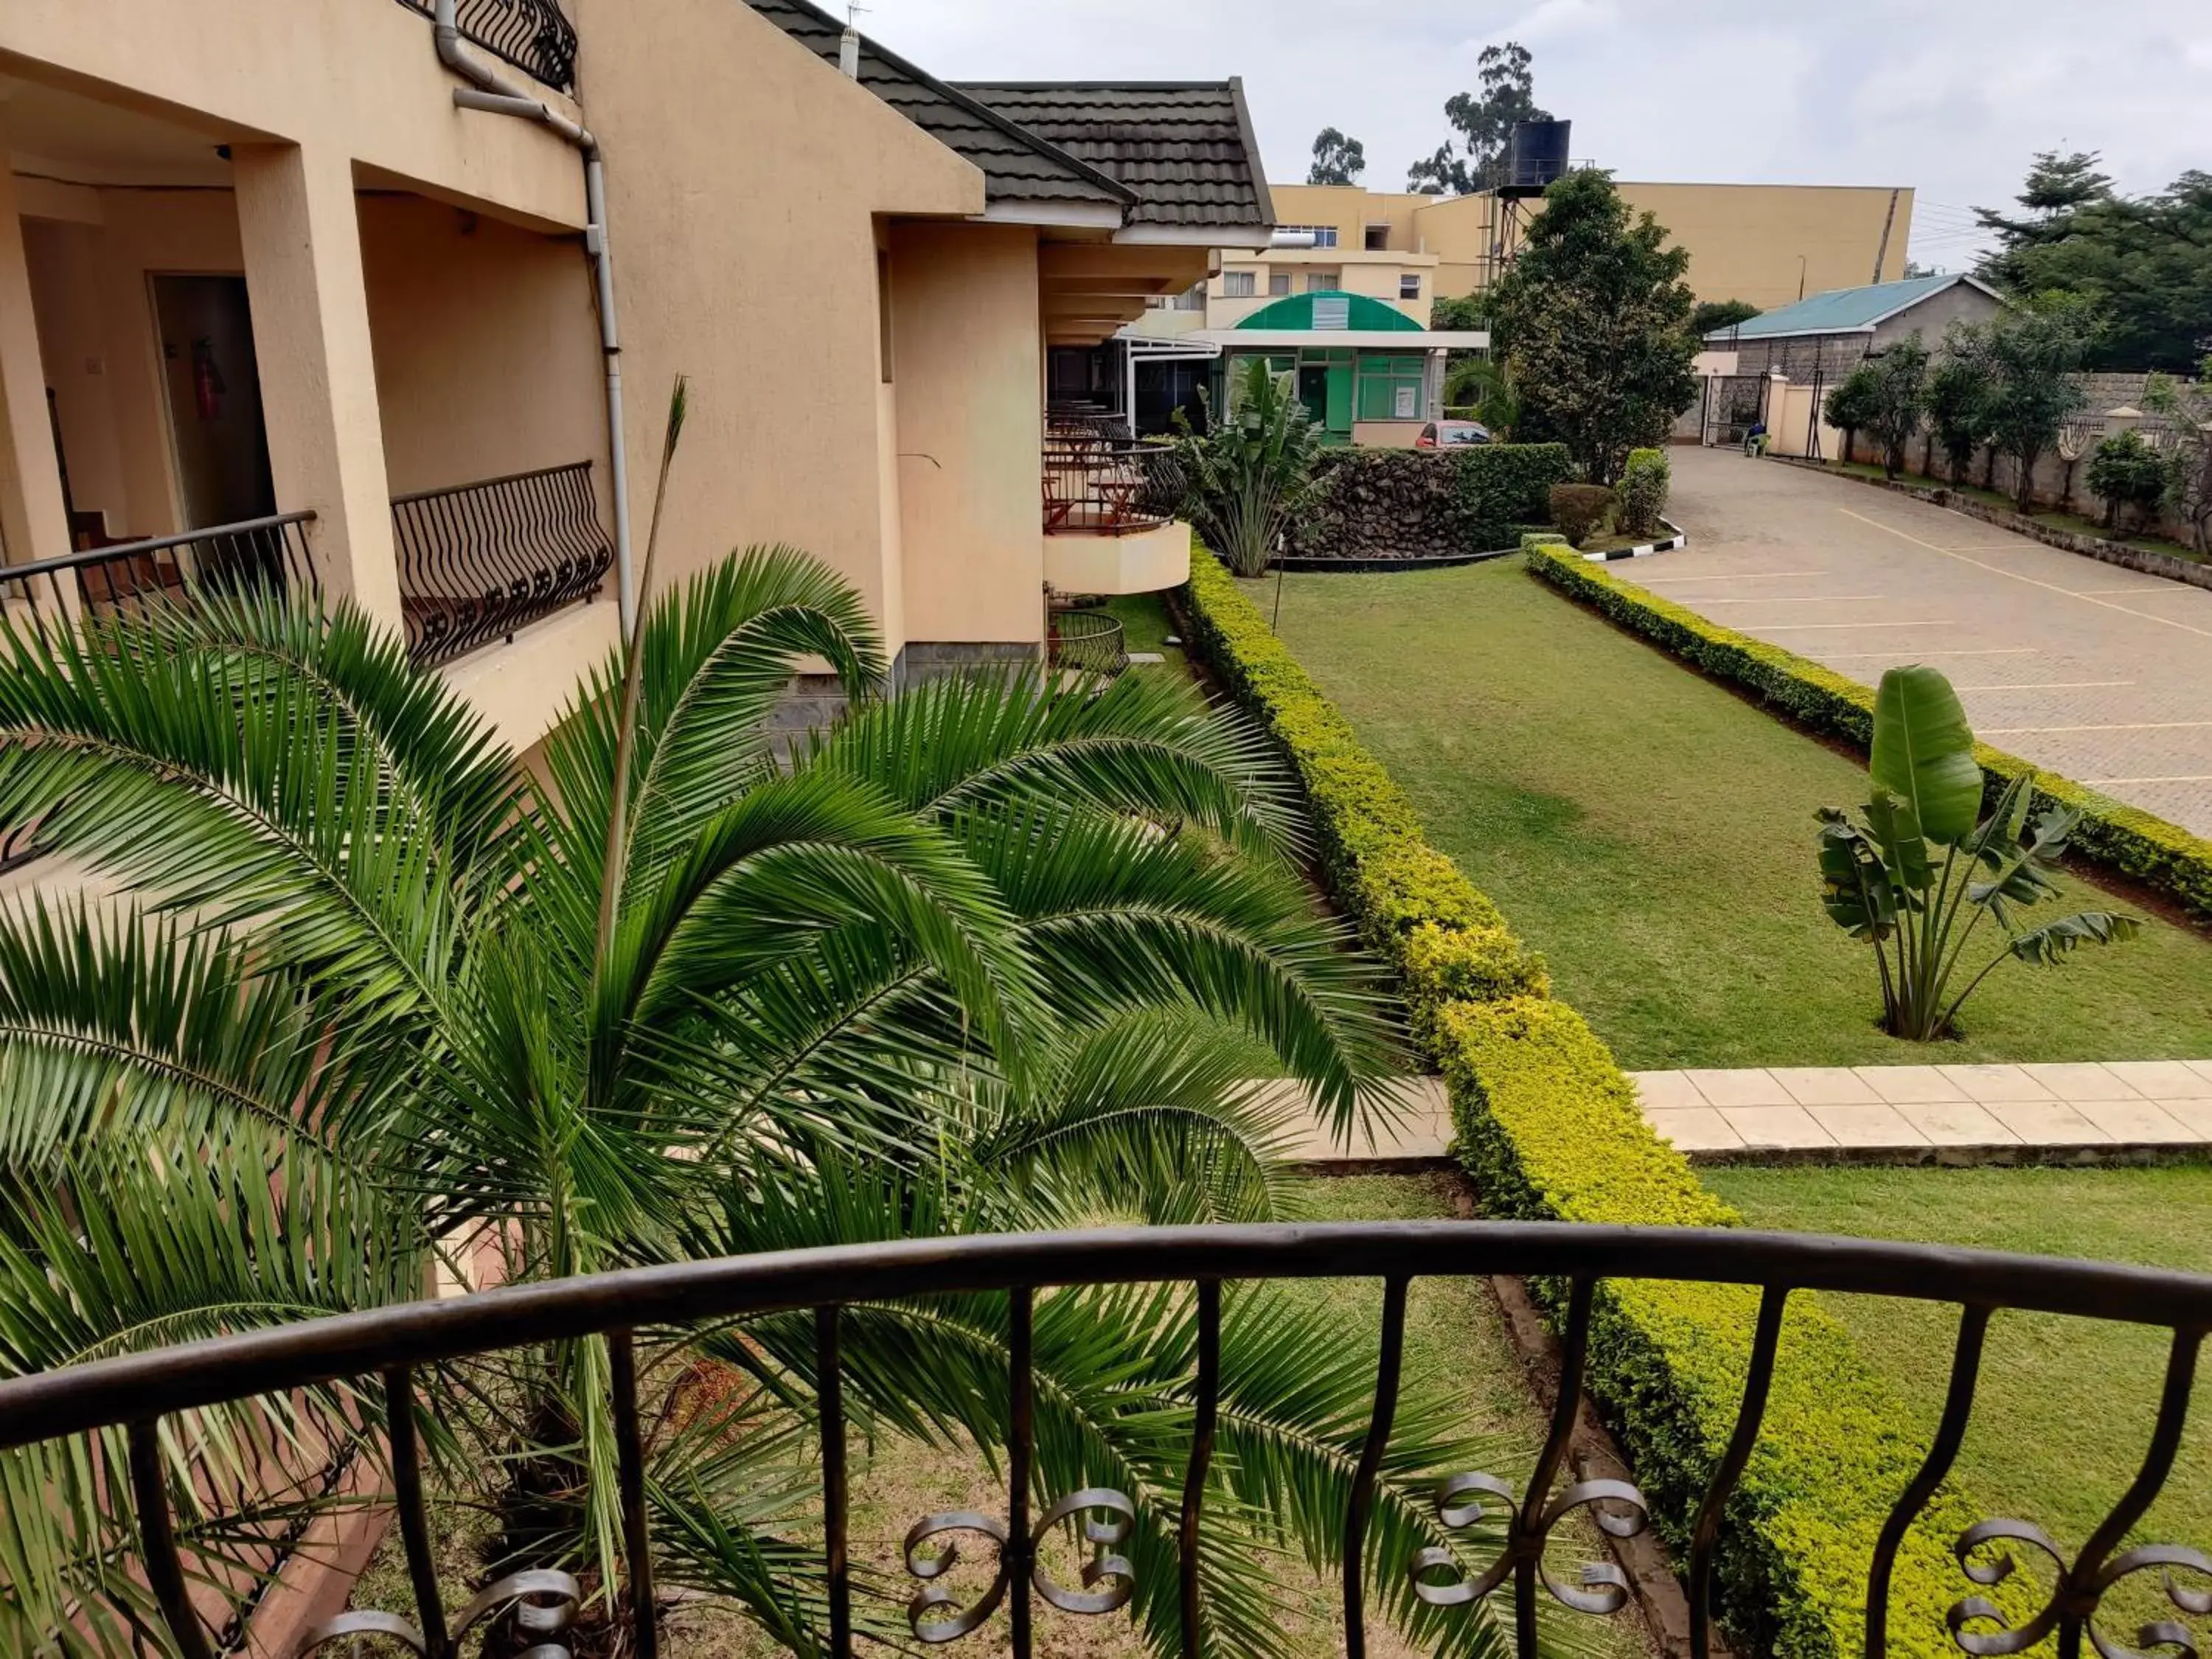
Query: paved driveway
<point x="2100" y="674"/>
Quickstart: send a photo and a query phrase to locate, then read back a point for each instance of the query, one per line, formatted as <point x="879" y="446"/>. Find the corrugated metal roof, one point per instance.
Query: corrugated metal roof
<point x="1839" y="311"/>
<point x="1185" y="146"/>
<point x="1017" y="165"/>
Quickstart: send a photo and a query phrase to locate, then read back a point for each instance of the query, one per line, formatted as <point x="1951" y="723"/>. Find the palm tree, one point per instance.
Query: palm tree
<point x="355" y="996"/>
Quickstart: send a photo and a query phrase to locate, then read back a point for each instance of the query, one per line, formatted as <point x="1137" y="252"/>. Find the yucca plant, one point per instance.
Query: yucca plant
<point x="1921" y="869"/>
<point x="353" y="996"/>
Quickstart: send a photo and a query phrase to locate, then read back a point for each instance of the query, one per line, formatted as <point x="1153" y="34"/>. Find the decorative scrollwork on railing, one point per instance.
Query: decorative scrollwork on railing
<point x="2072" y="1598"/>
<point x="1438" y="1579"/>
<point x="543" y="1604"/>
<point x="1103" y="1536"/>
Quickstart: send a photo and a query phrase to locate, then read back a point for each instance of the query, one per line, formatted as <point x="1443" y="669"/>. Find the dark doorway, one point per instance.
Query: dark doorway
<point x="1313" y="392"/>
<point x="1164" y="387"/>
<point x="214" y="388"/>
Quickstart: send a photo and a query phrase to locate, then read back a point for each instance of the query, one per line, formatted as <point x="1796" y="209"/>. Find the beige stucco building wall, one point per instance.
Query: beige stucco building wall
<point x="965" y="375"/>
<point x="757" y="280"/>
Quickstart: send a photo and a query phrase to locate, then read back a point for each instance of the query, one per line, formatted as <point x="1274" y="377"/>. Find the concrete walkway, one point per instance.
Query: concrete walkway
<point x="1941" y="1114"/>
<point x="2120" y="1111"/>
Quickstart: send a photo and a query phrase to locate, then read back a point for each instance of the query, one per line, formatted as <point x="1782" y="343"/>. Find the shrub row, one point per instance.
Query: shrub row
<point x="1549" y="1127"/>
<point x="1410" y="503"/>
<point x="2124" y="839"/>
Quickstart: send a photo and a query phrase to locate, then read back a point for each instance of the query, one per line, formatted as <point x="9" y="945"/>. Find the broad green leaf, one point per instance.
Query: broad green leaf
<point x="1923" y="752"/>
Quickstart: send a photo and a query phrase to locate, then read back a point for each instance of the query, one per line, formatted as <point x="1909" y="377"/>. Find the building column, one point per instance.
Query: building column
<point x="301" y="230"/>
<point x="33" y="522"/>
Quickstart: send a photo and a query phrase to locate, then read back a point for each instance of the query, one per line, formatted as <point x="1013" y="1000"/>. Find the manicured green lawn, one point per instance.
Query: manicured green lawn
<point x="1145" y="625"/>
<point x="2063" y="1413"/>
<point x="1653" y="835"/>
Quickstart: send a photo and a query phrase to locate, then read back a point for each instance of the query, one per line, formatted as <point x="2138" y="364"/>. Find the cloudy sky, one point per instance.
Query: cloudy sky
<point x="1949" y="96"/>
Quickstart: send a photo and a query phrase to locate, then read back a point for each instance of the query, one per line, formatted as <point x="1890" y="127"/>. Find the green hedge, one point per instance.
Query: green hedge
<point x="2123" y="838"/>
<point x="1549" y="1124"/>
<point x="1503" y="484"/>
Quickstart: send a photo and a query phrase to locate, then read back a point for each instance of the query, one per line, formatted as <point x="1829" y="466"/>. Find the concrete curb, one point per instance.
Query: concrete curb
<point x="1643" y="550"/>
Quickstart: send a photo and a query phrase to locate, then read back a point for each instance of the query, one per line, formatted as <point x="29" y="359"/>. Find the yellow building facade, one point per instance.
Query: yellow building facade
<point x="1770" y="245"/>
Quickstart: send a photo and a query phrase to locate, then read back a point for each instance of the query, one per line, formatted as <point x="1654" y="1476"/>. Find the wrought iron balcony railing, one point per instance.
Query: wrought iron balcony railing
<point x="137" y="1394"/>
<point x="534" y="35"/>
<point x="479" y="560"/>
<point x="256" y="553"/>
<point x="1106" y="486"/>
<point x="1093" y="641"/>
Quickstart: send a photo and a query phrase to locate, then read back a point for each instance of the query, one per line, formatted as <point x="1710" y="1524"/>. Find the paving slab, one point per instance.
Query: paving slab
<point x="1747" y="1088"/>
<point x="1910" y="1085"/>
<point x="1825" y="1086"/>
<point x="1869" y="1127"/>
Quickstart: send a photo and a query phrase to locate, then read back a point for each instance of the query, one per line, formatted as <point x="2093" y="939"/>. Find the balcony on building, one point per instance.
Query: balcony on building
<point x="241" y="361"/>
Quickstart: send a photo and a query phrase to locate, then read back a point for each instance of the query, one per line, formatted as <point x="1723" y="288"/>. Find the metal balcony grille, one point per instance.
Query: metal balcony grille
<point x="267" y="554"/>
<point x="479" y="560"/>
<point x="392" y="1355"/>
<point x="535" y="36"/>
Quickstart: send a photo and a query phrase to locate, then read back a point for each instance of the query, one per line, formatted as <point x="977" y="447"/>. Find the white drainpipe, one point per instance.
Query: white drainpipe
<point x="489" y="91"/>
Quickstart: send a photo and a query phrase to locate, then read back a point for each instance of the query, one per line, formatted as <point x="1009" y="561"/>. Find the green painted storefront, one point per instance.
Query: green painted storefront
<point x="1341" y="385"/>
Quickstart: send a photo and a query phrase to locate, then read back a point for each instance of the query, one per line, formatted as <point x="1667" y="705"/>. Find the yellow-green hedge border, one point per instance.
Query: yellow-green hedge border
<point x="2135" y="843"/>
<point x="1549" y="1125"/>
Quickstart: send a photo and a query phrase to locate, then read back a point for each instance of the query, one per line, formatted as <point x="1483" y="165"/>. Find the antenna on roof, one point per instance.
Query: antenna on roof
<point x="848" y="45"/>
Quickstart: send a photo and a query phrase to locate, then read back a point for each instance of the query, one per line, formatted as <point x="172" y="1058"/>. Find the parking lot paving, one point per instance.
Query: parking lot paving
<point x="2101" y="674"/>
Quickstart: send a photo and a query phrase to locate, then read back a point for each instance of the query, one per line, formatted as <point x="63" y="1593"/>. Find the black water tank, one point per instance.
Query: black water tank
<point x="1535" y="157"/>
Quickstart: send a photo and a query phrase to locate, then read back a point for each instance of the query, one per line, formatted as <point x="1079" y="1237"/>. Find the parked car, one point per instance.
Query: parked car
<point x="1450" y="434"/>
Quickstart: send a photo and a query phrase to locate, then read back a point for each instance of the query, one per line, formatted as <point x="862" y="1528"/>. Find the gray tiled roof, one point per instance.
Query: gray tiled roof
<point x="1184" y="147"/>
<point x="1017" y="165"/>
<point x="1166" y="152"/>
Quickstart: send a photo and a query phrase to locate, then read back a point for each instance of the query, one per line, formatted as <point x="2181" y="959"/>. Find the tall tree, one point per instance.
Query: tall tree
<point x="1957" y="399"/>
<point x="2033" y="356"/>
<point x="1899" y="379"/>
<point x="1593" y="322"/>
<point x="2145" y="263"/>
<point x="1337" y="160"/>
<point x="1484" y="119"/>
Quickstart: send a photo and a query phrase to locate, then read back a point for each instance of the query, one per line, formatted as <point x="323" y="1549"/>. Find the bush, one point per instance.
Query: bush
<point x="2123" y="838"/>
<point x="1506" y="485"/>
<point x="1250" y="476"/>
<point x="2124" y="473"/>
<point x="1549" y="1125"/>
<point x="1644" y="482"/>
<point x="1578" y="509"/>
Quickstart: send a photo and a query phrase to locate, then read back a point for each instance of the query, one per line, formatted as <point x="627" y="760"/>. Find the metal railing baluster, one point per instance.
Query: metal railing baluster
<point x="1201" y="1461"/>
<point x="157" y="1537"/>
<point x="830" y="1394"/>
<point x="637" y="1531"/>
<point x="1021" y="1431"/>
<point x="413" y="1516"/>
<point x="1389" y="1363"/>
<point x="1950" y="1433"/>
<point x="1704" y="1537"/>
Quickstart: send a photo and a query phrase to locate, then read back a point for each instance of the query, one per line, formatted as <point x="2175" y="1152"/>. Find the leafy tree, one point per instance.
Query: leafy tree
<point x="1592" y="323"/>
<point x="2144" y="263"/>
<point x="360" y="993"/>
<point x="1459" y="311"/>
<point x="1850" y="407"/>
<point x="1337" y="160"/>
<point x="1915" y="874"/>
<point x="1483" y="121"/>
<point x="2188" y="413"/>
<point x="1957" y="399"/>
<point x="1483" y="385"/>
<point x="2034" y="356"/>
<point x="1714" y="314"/>
<point x="1252" y="472"/>
<point x="1899" y="383"/>
<point x="2129" y="477"/>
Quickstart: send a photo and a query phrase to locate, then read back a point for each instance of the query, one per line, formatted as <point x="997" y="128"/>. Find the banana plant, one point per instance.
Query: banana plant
<point x="1920" y="870"/>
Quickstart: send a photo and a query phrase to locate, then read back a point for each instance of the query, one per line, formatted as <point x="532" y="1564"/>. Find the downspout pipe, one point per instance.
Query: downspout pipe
<point x="493" y="93"/>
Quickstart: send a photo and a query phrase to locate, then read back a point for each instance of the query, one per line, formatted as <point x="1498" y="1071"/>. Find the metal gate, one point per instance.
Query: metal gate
<point x="1732" y="404"/>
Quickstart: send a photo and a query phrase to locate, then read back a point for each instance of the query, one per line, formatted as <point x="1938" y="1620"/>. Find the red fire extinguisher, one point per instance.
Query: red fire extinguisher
<point x="208" y="387"/>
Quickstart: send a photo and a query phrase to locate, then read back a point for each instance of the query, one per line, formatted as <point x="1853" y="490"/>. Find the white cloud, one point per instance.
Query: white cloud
<point x="1952" y="99"/>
